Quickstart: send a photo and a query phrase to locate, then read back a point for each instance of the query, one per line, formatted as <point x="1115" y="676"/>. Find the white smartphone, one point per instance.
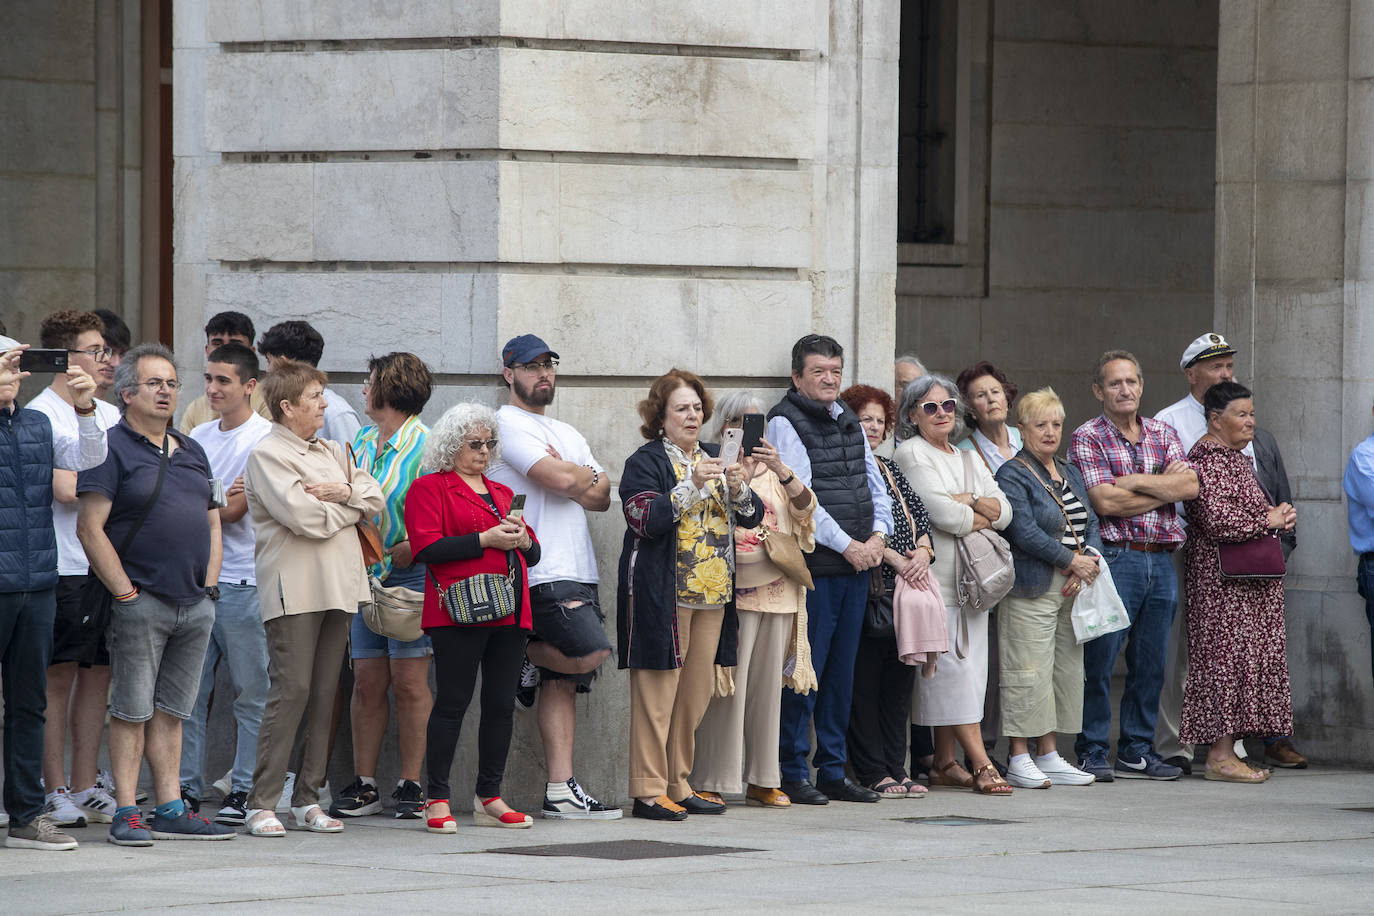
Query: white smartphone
<point x="730" y="446"/>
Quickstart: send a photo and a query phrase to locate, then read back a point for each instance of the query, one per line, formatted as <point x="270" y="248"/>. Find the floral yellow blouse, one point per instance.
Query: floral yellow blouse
<point x="705" y="550"/>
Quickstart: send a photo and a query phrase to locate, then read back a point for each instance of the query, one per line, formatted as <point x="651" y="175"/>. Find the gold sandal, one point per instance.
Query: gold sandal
<point x="995" y="784"/>
<point x="941" y="779"/>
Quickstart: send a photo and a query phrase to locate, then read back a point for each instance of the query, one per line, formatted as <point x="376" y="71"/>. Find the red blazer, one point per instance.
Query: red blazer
<point x="443" y="505"/>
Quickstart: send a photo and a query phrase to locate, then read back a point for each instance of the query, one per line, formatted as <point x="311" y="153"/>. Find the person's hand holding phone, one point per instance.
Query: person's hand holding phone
<point x="705" y="470"/>
<point x="10" y="371"/>
<point x="505" y="536"/>
<point x="82" y="387"/>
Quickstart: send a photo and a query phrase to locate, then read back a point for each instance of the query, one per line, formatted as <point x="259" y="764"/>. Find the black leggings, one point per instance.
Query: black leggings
<point x="458" y="652"/>
<point x="880" y="711"/>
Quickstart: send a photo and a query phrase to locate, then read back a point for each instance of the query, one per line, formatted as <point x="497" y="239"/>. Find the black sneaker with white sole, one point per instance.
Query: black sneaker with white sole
<point x="234" y="811"/>
<point x="529" y="684"/>
<point x="410" y="800"/>
<point x="358" y="799"/>
<point x="575" y="804"/>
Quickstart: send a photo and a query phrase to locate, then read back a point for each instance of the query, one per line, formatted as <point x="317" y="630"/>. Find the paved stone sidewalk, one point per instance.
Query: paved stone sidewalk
<point x="1292" y="845"/>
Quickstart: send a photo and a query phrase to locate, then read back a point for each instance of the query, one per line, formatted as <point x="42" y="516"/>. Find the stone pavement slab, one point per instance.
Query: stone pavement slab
<point x="1289" y="846"/>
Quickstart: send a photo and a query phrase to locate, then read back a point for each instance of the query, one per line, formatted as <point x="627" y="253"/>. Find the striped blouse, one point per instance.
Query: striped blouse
<point x="1078" y="517"/>
<point x="395" y="468"/>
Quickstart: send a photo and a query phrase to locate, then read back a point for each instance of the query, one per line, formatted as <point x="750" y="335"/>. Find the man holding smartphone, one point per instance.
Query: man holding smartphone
<point x="28" y="583"/>
<point x="79" y="668"/>
<point x="551" y="465"/>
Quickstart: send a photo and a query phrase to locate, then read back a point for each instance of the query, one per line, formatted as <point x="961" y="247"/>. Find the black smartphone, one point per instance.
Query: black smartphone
<point x="753" y="431"/>
<point x="43" y="361"/>
<point x="517" y="506"/>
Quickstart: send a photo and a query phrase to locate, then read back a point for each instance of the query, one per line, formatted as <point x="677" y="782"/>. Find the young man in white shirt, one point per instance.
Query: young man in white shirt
<point x="238" y="637"/>
<point x="79" y="668"/>
<point x="551" y="464"/>
<point x="222" y="328"/>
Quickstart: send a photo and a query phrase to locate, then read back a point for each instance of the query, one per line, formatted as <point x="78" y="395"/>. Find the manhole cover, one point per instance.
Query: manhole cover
<point x="951" y="820"/>
<point x="623" y="850"/>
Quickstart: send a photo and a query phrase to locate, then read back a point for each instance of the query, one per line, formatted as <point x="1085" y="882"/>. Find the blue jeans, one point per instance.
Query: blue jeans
<point x="26" y="620"/>
<point x="238" y="638"/>
<point x="1364" y="582"/>
<point x="1149" y="589"/>
<point x="835" y="617"/>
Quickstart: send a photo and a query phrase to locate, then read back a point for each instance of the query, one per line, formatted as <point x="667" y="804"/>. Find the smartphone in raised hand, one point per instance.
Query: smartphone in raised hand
<point x="731" y="440"/>
<point x="753" y="432"/>
<point x="517" y="507"/>
<point x="41" y="361"/>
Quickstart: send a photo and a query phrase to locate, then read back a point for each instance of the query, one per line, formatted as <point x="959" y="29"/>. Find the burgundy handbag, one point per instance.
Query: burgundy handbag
<point x="1257" y="558"/>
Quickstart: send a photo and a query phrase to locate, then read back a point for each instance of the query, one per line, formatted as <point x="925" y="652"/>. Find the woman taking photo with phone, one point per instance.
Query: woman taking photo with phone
<point x="676" y="614"/>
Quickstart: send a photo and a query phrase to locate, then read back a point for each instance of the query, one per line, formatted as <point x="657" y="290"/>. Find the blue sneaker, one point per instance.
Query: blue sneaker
<point x="1095" y="762"/>
<point x="1147" y="766"/>
<point x="189" y="826"/>
<point x="128" y="829"/>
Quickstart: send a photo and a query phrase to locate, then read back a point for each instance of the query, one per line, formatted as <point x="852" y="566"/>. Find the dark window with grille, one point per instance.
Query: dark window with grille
<point x="925" y="122"/>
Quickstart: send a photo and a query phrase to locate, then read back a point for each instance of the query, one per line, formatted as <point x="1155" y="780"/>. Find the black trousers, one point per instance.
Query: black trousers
<point x="458" y="653"/>
<point x="880" y="711"/>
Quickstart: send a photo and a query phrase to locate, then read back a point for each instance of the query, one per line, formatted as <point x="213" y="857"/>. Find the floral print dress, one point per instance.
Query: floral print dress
<point x="1237" y="663"/>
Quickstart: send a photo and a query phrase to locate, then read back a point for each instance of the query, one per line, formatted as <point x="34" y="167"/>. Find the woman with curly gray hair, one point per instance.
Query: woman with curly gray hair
<point x="461" y="527"/>
<point x="961" y="496"/>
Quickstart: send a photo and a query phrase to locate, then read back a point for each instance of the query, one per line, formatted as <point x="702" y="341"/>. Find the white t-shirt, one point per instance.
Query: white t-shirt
<point x="228" y="454"/>
<point x="565" y="542"/>
<point x="71" y="558"/>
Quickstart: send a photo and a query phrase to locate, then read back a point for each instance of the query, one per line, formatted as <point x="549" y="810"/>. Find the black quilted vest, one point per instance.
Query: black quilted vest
<point x="838" y="475"/>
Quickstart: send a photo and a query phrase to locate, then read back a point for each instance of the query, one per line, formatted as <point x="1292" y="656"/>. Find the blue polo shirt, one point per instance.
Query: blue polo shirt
<point x="171" y="552"/>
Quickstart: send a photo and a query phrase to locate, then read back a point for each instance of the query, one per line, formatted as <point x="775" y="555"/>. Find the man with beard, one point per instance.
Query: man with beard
<point x="550" y="463"/>
<point x="1135" y="470"/>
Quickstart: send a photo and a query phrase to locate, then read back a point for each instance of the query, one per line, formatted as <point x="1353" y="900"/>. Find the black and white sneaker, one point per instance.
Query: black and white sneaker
<point x="190" y="801"/>
<point x="356" y="800"/>
<point x="410" y="800"/>
<point x="234" y="811"/>
<point x="574" y="804"/>
<point x="529" y="684"/>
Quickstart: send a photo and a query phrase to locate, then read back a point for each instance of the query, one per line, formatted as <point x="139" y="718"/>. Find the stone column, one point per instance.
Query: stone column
<point x="1295" y="140"/>
<point x="644" y="184"/>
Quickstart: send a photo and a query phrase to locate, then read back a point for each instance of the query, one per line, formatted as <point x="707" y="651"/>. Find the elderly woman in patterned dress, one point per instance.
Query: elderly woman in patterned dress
<point x="1237" y="664"/>
<point x="675" y="616"/>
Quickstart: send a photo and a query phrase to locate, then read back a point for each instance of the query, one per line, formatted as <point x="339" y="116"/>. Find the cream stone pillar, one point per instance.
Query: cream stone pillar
<point x="1294" y="260"/>
<point x="643" y="183"/>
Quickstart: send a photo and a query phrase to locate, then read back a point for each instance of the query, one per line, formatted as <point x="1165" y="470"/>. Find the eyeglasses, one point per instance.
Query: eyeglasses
<point x="931" y="408"/>
<point x="99" y="354"/>
<point x="548" y="365"/>
<point x="478" y="444"/>
<point x="157" y="384"/>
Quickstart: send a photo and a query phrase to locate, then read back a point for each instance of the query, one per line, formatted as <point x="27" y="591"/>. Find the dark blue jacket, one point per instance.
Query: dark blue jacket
<point x="1037" y="522"/>
<point x="28" y="545"/>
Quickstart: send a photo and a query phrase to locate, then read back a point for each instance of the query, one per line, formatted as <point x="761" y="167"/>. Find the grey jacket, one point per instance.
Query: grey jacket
<point x="1037" y="522"/>
<point x="1273" y="479"/>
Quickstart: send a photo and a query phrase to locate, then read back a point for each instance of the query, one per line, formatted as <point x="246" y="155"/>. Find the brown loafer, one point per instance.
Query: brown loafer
<point x="766" y="798"/>
<point x="1283" y="754"/>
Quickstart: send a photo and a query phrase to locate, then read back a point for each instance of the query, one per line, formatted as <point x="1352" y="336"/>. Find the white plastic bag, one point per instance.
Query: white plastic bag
<point x="1098" y="610"/>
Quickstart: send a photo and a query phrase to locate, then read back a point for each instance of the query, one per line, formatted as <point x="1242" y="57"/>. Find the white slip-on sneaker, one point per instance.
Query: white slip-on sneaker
<point x="1024" y="774"/>
<point x="1061" y="772"/>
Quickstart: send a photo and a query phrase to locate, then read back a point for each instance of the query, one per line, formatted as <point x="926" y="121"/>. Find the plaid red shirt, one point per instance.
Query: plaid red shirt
<point x="1103" y="454"/>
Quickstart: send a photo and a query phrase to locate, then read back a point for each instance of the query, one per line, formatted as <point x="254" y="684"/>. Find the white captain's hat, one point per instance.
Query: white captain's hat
<point x="1205" y="347"/>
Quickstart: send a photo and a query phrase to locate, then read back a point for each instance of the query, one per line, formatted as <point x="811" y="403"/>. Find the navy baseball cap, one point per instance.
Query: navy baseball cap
<point x="524" y="348"/>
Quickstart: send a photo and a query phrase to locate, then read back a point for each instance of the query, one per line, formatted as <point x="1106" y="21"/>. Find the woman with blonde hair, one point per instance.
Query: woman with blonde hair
<point x="1052" y="525"/>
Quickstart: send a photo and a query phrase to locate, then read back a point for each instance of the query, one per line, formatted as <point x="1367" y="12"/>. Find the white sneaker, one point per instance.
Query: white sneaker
<point x="224" y="785"/>
<point x="60" y="810"/>
<point x="287" y="789"/>
<point x="97" y="804"/>
<point x="1024" y="774"/>
<point x="1061" y="772"/>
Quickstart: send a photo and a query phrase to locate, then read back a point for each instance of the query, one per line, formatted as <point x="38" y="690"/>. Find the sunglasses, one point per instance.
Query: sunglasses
<point x="478" y="444"/>
<point x="931" y="408"/>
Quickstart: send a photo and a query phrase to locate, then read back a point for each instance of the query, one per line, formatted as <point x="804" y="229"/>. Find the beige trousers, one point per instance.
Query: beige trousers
<point x="1042" y="664"/>
<point x="740" y="732"/>
<point x="303" y="656"/>
<point x="666" y="707"/>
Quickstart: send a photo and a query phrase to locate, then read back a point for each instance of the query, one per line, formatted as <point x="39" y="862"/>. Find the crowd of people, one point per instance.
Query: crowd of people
<point x="846" y="595"/>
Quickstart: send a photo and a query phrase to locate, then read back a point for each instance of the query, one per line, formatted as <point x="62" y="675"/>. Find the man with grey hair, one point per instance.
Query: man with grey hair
<point x="906" y="369"/>
<point x="152" y="497"/>
<point x="1135" y="470"/>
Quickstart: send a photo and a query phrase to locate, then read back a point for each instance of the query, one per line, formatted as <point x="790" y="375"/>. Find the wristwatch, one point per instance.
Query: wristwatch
<point x="212" y="593"/>
<point x="883" y="536"/>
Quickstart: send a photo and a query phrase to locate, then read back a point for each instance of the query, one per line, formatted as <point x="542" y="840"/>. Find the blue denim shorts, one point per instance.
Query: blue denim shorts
<point x="157" y="651"/>
<point x="363" y="643"/>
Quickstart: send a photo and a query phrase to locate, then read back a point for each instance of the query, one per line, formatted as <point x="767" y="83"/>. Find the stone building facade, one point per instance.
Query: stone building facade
<point x="650" y="183"/>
